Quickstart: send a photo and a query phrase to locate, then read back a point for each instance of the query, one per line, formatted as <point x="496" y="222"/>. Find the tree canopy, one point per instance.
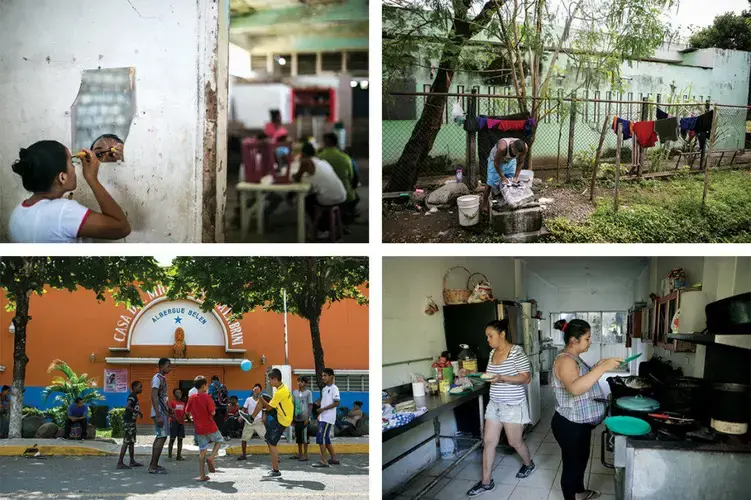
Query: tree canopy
<point x="245" y="283"/>
<point x="729" y="31"/>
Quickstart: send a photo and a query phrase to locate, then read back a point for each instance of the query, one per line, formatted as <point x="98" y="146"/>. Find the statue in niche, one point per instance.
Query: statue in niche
<point x="179" y="347"/>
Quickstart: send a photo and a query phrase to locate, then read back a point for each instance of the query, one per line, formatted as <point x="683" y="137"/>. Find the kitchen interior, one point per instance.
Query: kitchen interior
<point x="682" y="323"/>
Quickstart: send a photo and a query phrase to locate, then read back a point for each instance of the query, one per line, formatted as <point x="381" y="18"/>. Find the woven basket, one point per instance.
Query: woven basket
<point x="483" y="281"/>
<point x="453" y="296"/>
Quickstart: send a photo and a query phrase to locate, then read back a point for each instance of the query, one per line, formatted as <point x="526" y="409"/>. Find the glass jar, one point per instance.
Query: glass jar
<point x="467" y="359"/>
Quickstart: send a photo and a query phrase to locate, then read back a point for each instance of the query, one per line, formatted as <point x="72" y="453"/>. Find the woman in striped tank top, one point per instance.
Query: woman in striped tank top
<point x="575" y="385"/>
<point x="507" y="409"/>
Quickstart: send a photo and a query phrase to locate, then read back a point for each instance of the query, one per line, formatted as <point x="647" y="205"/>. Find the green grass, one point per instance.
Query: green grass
<point x="104" y="433"/>
<point x="655" y="211"/>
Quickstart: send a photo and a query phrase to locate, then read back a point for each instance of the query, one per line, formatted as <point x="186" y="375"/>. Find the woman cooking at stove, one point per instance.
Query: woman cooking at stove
<point x="508" y="409"/>
<point x="576" y="388"/>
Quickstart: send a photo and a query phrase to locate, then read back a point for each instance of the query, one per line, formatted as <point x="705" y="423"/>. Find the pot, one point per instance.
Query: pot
<point x="730" y="316"/>
<point x="629" y="386"/>
<point x="730" y="408"/>
<point x="638" y="404"/>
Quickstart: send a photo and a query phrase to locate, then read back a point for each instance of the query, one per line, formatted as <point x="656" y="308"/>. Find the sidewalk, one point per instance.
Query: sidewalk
<point x="108" y="447"/>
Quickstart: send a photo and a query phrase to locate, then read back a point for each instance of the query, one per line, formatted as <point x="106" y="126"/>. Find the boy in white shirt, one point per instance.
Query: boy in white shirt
<point x="257" y="426"/>
<point x="327" y="418"/>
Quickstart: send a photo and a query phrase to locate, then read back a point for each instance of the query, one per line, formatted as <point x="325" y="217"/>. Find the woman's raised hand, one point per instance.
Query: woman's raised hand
<point x="610" y="364"/>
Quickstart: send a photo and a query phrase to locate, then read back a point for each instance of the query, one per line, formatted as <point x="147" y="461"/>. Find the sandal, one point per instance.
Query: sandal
<point x="157" y="471"/>
<point x="242" y="457"/>
<point x="203" y="479"/>
<point x="335" y="462"/>
<point x="135" y="464"/>
<point x="302" y="459"/>
<point x="179" y="458"/>
<point x="591" y="494"/>
<point x="122" y="466"/>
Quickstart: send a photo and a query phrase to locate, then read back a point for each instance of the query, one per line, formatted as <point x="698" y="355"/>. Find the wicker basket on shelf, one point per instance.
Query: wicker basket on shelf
<point x="453" y="296"/>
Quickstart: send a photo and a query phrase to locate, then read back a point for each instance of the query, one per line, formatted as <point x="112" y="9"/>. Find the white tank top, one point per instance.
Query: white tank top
<point x="326" y="184"/>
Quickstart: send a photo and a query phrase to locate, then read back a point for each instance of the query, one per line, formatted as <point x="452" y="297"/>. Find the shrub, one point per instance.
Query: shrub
<point x="117" y="416"/>
<point x="31" y="410"/>
<point x="57" y="414"/>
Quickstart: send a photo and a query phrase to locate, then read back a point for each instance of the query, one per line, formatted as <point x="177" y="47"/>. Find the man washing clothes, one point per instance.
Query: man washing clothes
<point x="505" y="161"/>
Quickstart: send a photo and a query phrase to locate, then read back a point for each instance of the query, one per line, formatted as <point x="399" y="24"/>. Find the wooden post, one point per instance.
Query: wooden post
<point x="703" y="159"/>
<point x="618" y="166"/>
<point x="572" y="125"/>
<point x="706" y="167"/>
<point x="472" y="172"/>
<point x="642" y="151"/>
<point x="597" y="159"/>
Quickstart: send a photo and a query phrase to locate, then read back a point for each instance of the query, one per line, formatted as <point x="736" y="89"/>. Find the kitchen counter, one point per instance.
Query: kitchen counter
<point x="732" y="447"/>
<point x="436" y="404"/>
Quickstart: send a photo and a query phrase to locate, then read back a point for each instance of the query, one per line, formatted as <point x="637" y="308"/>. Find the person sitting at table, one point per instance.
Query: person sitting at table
<point x="274" y="129"/>
<point x="77" y="417"/>
<point x="342" y="164"/>
<point x="326" y="189"/>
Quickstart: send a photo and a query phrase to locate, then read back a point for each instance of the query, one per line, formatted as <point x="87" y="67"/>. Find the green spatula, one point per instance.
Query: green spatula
<point x="630" y="359"/>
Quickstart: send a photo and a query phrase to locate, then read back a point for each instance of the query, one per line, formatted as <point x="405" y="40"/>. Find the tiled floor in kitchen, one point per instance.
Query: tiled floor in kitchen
<point x="543" y="484"/>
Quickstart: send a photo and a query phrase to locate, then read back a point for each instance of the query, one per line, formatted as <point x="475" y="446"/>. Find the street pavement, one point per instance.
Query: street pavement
<point x="96" y="477"/>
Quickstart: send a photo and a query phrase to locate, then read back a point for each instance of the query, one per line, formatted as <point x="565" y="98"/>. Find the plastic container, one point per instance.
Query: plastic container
<point x="467" y="359"/>
<point x="526" y="175"/>
<point x="432" y="386"/>
<point x="444" y="386"/>
<point x="418" y="389"/>
<point x="458" y="175"/>
<point x="469" y="209"/>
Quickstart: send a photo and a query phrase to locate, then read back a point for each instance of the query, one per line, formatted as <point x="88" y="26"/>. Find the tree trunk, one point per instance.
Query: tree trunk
<point x="19" y="364"/>
<point x="426" y="129"/>
<point x="315" y="335"/>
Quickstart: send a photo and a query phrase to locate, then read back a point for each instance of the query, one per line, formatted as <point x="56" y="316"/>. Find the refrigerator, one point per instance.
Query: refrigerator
<point x="465" y="324"/>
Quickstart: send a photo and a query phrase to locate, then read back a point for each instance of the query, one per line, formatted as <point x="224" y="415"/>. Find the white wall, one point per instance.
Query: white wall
<point x="45" y="46"/>
<point x="408" y="333"/>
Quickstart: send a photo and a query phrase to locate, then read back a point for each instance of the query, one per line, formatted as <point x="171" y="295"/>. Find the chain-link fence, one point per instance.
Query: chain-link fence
<point x="565" y="135"/>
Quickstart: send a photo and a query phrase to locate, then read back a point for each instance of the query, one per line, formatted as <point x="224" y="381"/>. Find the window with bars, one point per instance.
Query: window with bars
<point x="608" y="330"/>
<point x="345" y="382"/>
<point x="306" y="64"/>
<point x="357" y="61"/>
<point x="331" y="61"/>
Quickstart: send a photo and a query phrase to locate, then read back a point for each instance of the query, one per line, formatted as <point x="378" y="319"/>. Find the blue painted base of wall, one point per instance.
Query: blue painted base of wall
<point x="33" y="397"/>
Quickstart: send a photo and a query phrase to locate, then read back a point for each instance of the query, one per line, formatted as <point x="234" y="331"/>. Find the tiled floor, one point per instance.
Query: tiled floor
<point x="543" y="484"/>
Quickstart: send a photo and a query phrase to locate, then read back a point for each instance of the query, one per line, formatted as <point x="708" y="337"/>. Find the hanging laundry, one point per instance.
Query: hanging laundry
<point x="482" y="122"/>
<point x="688" y="125"/>
<point x="703" y="128"/>
<point x="529" y="127"/>
<point x="511" y="125"/>
<point x="661" y="115"/>
<point x="645" y="133"/>
<point x="667" y="129"/>
<point x="493" y="123"/>
<point x="626" y="127"/>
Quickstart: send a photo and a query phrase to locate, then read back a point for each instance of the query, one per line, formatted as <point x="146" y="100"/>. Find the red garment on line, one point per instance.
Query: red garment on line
<point x="492" y="123"/>
<point x="511" y="125"/>
<point x="645" y="133"/>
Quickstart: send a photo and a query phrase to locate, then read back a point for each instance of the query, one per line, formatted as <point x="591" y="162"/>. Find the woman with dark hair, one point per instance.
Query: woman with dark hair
<point x="46" y="169"/>
<point x="274" y="129"/>
<point x="507" y="409"/>
<point x="576" y="388"/>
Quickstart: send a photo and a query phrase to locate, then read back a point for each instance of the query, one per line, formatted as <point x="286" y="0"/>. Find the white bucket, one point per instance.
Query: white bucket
<point x="418" y="389"/>
<point x="469" y="209"/>
<point x="526" y="175"/>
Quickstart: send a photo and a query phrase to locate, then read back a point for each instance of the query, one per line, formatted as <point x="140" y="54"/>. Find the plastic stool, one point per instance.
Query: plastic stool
<point x="336" y="227"/>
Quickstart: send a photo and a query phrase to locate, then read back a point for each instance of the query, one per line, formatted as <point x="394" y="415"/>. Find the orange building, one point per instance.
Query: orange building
<point x="117" y="345"/>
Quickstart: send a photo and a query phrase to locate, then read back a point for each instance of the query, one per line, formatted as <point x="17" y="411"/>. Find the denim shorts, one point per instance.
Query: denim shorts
<point x="274" y="431"/>
<point x="324" y="433"/>
<point x="204" y="440"/>
<point x="162" y="431"/>
<point x="508" y="413"/>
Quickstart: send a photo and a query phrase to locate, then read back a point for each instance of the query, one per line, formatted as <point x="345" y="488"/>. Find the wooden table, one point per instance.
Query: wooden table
<point x="259" y="190"/>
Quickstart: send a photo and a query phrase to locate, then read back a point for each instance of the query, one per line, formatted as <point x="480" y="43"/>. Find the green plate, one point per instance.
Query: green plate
<point x="475" y="375"/>
<point x="627" y="426"/>
<point x="630" y="359"/>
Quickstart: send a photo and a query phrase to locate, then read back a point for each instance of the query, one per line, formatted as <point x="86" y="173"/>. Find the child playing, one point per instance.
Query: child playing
<point x="132" y="409"/>
<point x="280" y="410"/>
<point x="327" y="418"/>
<point x="303" y="404"/>
<point x="177" y="424"/>
<point x="257" y="425"/>
<point x="202" y="410"/>
<point x="232" y="423"/>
